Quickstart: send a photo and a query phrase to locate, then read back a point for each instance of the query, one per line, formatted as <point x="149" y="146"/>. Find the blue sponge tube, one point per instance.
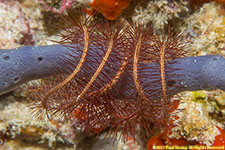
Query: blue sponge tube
<point x="23" y="64"/>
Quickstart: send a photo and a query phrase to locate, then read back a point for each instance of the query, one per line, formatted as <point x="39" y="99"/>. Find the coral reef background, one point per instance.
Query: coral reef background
<point x="28" y="22"/>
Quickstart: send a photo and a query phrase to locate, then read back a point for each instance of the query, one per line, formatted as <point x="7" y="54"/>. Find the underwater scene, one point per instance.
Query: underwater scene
<point x="112" y="74"/>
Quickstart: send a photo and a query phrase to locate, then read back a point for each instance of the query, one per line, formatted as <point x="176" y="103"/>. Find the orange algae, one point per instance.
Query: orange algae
<point x="220" y="139"/>
<point x="161" y="140"/>
<point x="111" y="9"/>
<point x="220" y="1"/>
<point x="156" y="140"/>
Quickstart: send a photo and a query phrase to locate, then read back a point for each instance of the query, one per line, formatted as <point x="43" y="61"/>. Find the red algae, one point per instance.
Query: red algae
<point x="111" y="9"/>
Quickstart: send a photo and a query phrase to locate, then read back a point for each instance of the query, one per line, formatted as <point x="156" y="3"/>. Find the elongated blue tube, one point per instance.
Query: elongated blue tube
<point x="19" y="65"/>
<point x="190" y="74"/>
<point x="201" y="73"/>
<point x="23" y="64"/>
